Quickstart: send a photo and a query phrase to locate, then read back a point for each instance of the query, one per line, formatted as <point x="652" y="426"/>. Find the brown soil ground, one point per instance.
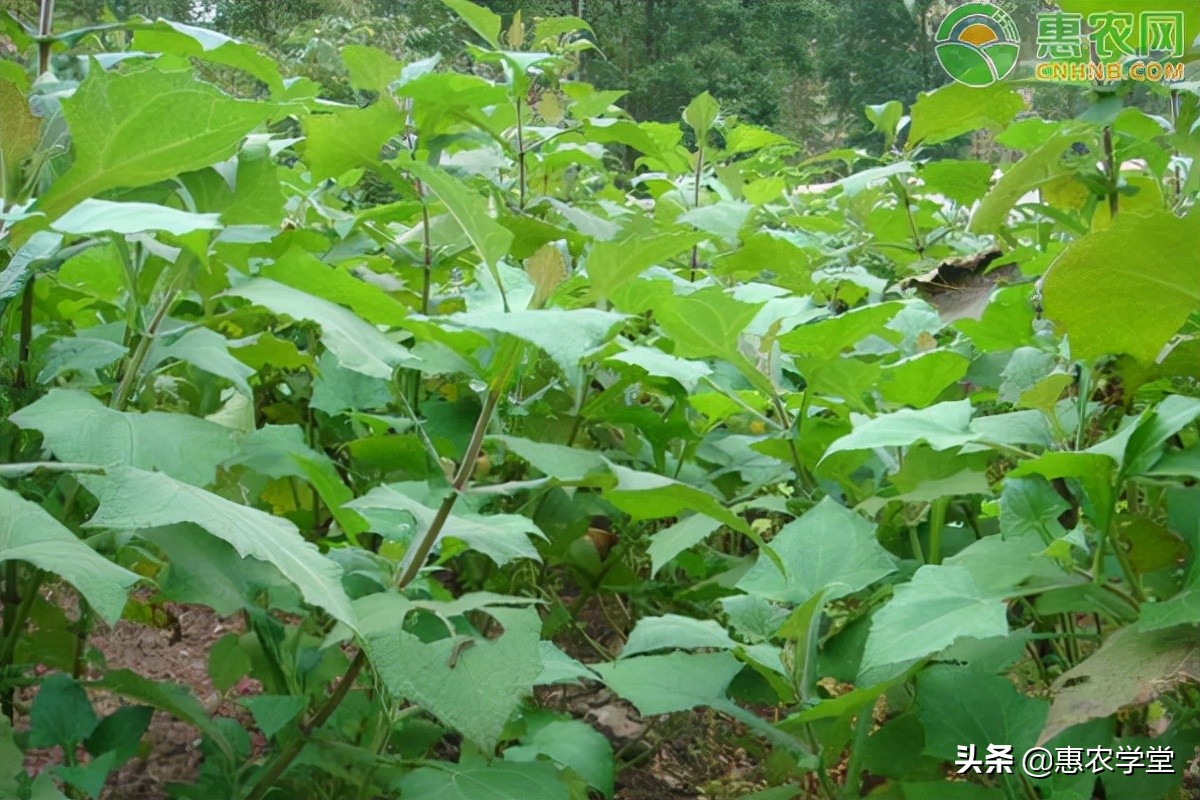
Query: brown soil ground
<point x="671" y="758"/>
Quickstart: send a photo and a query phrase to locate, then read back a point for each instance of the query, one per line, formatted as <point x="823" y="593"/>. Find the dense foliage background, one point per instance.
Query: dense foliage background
<point x="515" y="436"/>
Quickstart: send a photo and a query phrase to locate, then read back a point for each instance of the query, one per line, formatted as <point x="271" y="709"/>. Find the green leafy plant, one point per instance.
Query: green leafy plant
<point x="420" y="389"/>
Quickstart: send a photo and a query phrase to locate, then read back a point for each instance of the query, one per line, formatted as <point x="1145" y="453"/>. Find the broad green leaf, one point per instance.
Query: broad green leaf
<point x="205" y="350"/>
<point x="918" y="380"/>
<point x="861" y="180"/>
<point x="132" y="499"/>
<point x="499" y="780"/>
<point x="656" y="363"/>
<point x="273" y="712"/>
<point x="670" y="542"/>
<point x="1120" y="290"/>
<point x="20" y="132"/>
<point x="99" y="216"/>
<point x="205" y="569"/>
<point x="279" y="451"/>
<point x="370" y="68"/>
<point x="482" y="21"/>
<point x="964" y="182"/>
<point x="133" y="129"/>
<point x="501" y="537"/>
<point x="673" y="682"/>
<point x="77" y="427"/>
<point x="724" y="219"/>
<point x="558" y="667"/>
<point x="336" y="390"/>
<point x="957" y="707"/>
<point x="613" y="264"/>
<point x="301" y="270"/>
<point x="955" y="109"/>
<point x="1038" y="168"/>
<point x="942" y="426"/>
<point x="566" y="335"/>
<point x="347" y="138"/>
<point x="1029" y="507"/>
<point x="79" y="354"/>
<point x="358" y="345"/>
<point x="1008" y="567"/>
<point x="706" y="323"/>
<point x="1156" y="429"/>
<point x="120" y="732"/>
<point x="62" y="715"/>
<point x="28" y="533"/>
<point x="571" y="743"/>
<point x="830" y="550"/>
<point x="566" y="464"/>
<point x="42" y="246"/>
<point x="645" y="495"/>
<point x="938" y="606"/>
<point x="189" y="41"/>
<point x="471" y="684"/>
<point x="470" y="210"/>
<point x="674" y="632"/>
<point x="1130" y="668"/>
<point x="701" y="114"/>
<point x="826" y="339"/>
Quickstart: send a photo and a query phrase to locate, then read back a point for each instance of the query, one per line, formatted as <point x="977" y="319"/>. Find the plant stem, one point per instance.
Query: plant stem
<point x="1110" y="161"/>
<point x="696" y="199"/>
<point x="937" y="522"/>
<point x="421" y="552"/>
<point x="45" y="26"/>
<point x="284" y="758"/>
<point x="133" y="366"/>
<point x="521" y="168"/>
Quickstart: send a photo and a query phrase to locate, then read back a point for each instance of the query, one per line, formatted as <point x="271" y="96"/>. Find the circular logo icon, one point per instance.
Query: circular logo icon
<point x="978" y="44"/>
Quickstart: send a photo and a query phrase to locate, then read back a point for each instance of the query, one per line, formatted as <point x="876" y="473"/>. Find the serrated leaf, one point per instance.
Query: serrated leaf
<point x="27" y="533"/>
<point x="472" y="685"/>
<point x="77" y="427"/>
<point x="499" y="780"/>
<point x="501" y="537"/>
<point x="1131" y="667"/>
<point x="830" y="550"/>
<point x="955" y="109"/>
<point x="938" y="606"/>
<point x="489" y="238"/>
<point x="133" y="129"/>
<point x="358" y="345"/>
<point x="566" y="335"/>
<point x="675" y="632"/>
<point x="673" y="682"/>
<point x="482" y="21"/>
<point x="133" y="499"/>
<point x="701" y="114"/>
<point x="1120" y="290"/>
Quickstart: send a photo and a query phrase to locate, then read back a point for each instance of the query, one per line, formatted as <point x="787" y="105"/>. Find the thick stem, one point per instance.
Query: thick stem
<point x="427" y="251"/>
<point x="284" y="758"/>
<point x="25" y="335"/>
<point x="937" y="522"/>
<point x="521" y="167"/>
<point x="696" y="200"/>
<point x="133" y="366"/>
<point x="421" y="552"/>
<point x="45" y="26"/>
<point x="1110" y="161"/>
